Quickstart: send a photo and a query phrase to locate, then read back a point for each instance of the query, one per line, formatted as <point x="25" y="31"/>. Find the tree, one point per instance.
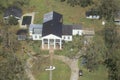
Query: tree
<point x="112" y="43"/>
<point x="11" y="68"/>
<point x="108" y="8"/>
<point x="94" y="53"/>
<point x="85" y="3"/>
<point x="5" y="4"/>
<point x="82" y="3"/>
<point x="12" y="21"/>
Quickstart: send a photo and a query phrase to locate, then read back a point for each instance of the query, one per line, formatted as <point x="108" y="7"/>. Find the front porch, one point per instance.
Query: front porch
<point x="51" y="42"/>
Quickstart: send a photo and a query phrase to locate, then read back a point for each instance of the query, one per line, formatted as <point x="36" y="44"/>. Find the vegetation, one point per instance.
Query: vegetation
<point x="12" y="21"/>
<point x="36" y="47"/>
<point x="11" y="66"/>
<point x="104" y="49"/>
<point x="94" y="53"/>
<point x="62" y="71"/>
<point x="70" y="49"/>
<point x="112" y="42"/>
<point x="109" y="8"/>
<point x="99" y="74"/>
<point x="5" y="4"/>
<point x="82" y="3"/>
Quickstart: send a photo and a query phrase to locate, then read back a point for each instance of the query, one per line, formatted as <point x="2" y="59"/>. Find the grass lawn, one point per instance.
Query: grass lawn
<point x="62" y="71"/>
<point x="71" y="15"/>
<point x="99" y="74"/>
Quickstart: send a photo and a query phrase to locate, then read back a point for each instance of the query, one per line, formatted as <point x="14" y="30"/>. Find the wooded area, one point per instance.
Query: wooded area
<point x="104" y="49"/>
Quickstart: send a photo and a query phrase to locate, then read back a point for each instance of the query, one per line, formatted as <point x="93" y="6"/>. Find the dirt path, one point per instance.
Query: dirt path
<point x="72" y="63"/>
<point x="28" y="69"/>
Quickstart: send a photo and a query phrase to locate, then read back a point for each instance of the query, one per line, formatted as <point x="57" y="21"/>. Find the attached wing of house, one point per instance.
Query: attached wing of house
<point x="67" y="32"/>
<point x="35" y="31"/>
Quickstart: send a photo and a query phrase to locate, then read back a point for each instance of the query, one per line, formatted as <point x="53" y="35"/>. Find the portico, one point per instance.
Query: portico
<point x="52" y="41"/>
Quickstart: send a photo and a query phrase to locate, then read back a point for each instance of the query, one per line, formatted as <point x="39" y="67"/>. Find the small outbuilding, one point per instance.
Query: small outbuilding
<point x="22" y="34"/>
<point x="92" y="14"/>
<point x="117" y="18"/>
<point x="13" y="12"/>
<point x="77" y="30"/>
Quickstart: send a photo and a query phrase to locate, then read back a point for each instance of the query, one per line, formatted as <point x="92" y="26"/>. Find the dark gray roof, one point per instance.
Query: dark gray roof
<point x="54" y="25"/>
<point x="52" y="16"/>
<point x="92" y="12"/>
<point x="67" y="29"/>
<point x="21" y="32"/>
<point x="77" y="27"/>
<point x="14" y="11"/>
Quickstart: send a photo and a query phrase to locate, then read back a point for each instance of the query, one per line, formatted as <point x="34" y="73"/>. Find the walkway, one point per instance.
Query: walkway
<point x="28" y="69"/>
<point x="72" y="63"/>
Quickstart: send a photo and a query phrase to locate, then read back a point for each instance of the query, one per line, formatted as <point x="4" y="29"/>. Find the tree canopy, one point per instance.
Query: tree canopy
<point x="5" y="3"/>
<point x="109" y="8"/>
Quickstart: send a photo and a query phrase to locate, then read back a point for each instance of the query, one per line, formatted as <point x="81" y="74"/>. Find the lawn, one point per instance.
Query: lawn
<point x="99" y="74"/>
<point x="71" y="15"/>
<point x="62" y="71"/>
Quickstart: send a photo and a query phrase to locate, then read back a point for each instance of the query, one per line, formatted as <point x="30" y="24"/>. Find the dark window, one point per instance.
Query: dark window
<point x="39" y="36"/>
<point x="64" y="37"/>
<point x="68" y="37"/>
<point x="35" y="36"/>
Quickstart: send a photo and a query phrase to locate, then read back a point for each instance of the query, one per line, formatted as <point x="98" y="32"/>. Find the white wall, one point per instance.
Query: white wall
<point x="67" y="37"/>
<point x="77" y="32"/>
<point x="93" y="17"/>
<point x="36" y="36"/>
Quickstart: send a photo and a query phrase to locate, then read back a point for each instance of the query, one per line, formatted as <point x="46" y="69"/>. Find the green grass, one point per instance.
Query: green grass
<point x="35" y="46"/>
<point x="62" y="71"/>
<point x="99" y="74"/>
<point x="71" y="15"/>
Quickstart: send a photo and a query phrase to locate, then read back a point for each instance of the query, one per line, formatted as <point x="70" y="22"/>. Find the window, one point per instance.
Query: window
<point x="64" y="37"/>
<point x="35" y="36"/>
<point x="77" y="32"/>
<point x="68" y="37"/>
<point x="39" y="36"/>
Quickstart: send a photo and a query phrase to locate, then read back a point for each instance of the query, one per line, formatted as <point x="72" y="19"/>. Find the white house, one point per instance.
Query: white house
<point x="51" y="41"/>
<point x="67" y="32"/>
<point x="77" y="30"/>
<point x="35" y="31"/>
<point x="52" y="31"/>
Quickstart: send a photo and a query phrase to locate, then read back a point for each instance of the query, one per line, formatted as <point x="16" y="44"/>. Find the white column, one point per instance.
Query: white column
<point x="48" y="43"/>
<point x="54" y="43"/>
<point x="42" y="44"/>
<point x="60" y="44"/>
